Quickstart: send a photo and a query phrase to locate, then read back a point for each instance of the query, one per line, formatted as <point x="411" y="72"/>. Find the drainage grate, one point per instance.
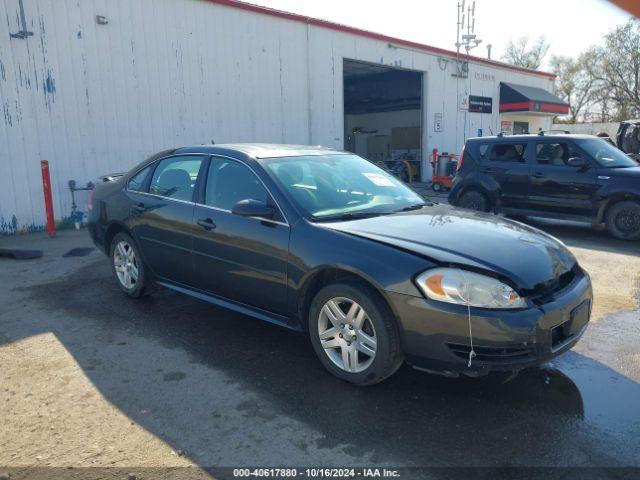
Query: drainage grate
<point x="78" y="252"/>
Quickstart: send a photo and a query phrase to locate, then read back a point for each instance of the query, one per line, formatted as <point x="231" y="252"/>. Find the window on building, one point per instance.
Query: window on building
<point x="508" y="152"/>
<point x="175" y="177"/>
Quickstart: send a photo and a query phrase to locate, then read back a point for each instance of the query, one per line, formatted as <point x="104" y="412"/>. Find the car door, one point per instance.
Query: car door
<point x="557" y="187"/>
<point x="243" y="259"/>
<point x="508" y="165"/>
<point x="162" y="217"/>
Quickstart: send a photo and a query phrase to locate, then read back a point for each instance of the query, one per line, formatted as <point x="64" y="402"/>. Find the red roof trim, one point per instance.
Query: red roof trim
<point x="376" y="36"/>
<point x="530" y="107"/>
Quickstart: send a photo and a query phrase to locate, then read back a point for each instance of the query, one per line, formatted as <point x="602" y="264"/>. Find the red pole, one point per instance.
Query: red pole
<point x="48" y="202"/>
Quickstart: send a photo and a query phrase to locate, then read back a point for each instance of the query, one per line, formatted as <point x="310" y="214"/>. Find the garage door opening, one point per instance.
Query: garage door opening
<point x="383" y="116"/>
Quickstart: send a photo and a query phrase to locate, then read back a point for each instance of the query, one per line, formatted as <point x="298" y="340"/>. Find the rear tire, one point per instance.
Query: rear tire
<point x="474" y="200"/>
<point x="623" y="220"/>
<point x="127" y="266"/>
<point x="374" y="340"/>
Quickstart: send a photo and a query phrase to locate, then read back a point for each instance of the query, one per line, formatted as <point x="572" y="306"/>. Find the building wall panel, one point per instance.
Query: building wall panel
<point x="94" y="99"/>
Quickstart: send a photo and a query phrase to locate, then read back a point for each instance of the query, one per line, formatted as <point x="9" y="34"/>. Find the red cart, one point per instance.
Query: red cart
<point x="444" y="169"/>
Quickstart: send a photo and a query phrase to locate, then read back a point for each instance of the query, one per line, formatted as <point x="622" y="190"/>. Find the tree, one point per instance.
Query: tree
<point x="616" y="68"/>
<point x="520" y="54"/>
<point x="574" y="83"/>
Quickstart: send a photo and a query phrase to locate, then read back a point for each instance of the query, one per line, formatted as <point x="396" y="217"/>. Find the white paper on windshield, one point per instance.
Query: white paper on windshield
<point x="379" y="179"/>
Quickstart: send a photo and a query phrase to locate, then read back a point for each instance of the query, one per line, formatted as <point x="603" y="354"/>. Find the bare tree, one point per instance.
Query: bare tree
<point x="574" y="84"/>
<point x="616" y="68"/>
<point x="519" y="52"/>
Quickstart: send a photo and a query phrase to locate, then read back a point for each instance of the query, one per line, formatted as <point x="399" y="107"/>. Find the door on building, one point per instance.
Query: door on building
<point x="240" y="258"/>
<point x="383" y="116"/>
<point x="520" y="128"/>
<point x="557" y="187"/>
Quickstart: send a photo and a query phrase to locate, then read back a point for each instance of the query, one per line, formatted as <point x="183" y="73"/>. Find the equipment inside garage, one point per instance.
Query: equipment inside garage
<point x="383" y="116"/>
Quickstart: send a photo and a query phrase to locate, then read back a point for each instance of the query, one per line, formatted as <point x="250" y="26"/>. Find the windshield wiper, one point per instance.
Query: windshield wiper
<point x="348" y="216"/>
<point x="416" y="206"/>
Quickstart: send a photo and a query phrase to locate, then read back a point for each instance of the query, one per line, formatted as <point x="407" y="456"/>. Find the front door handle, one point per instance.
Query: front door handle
<point x="538" y="175"/>
<point x="139" y="208"/>
<point x="487" y="170"/>
<point x="206" y="223"/>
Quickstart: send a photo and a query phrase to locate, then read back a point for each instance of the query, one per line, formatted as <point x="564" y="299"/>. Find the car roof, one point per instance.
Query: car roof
<point x="260" y="150"/>
<point x="529" y="136"/>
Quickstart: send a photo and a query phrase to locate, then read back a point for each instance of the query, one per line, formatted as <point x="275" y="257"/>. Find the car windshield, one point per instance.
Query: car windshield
<point x="341" y="186"/>
<point x="606" y="154"/>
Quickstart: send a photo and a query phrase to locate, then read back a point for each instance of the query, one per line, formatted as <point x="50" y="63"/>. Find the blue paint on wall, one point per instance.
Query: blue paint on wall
<point x="10" y="227"/>
<point x="6" y="113"/>
<point x="49" y="89"/>
<point x="49" y="84"/>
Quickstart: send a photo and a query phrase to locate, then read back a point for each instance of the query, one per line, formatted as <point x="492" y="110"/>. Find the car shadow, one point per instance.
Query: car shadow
<point x="225" y="388"/>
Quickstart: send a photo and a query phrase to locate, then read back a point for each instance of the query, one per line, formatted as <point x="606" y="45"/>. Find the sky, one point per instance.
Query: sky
<point x="571" y="26"/>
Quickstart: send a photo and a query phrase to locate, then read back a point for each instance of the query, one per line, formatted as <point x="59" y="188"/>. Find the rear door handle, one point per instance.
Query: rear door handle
<point x="206" y="223"/>
<point x="538" y="175"/>
<point x="486" y="170"/>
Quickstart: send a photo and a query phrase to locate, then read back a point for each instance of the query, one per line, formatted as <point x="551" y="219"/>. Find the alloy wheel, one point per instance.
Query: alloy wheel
<point x="347" y="334"/>
<point x="125" y="264"/>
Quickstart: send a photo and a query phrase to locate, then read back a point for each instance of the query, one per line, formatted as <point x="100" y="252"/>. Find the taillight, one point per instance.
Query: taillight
<point x="460" y="160"/>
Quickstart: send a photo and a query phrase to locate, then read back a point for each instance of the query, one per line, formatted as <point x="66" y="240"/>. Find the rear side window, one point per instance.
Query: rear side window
<point x="175" y="177"/>
<point x="138" y="181"/>
<point x="508" y="152"/>
<point x="482" y="149"/>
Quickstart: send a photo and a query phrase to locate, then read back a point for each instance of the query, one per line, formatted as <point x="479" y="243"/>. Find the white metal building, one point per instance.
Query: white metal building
<point x="101" y="84"/>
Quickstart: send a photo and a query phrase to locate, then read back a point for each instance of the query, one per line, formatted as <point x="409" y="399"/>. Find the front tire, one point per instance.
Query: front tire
<point x="474" y="200"/>
<point x="354" y="333"/>
<point x="623" y="220"/>
<point x="127" y="266"/>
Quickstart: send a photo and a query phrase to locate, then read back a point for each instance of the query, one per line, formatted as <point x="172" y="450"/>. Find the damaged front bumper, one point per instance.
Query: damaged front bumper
<point x="436" y="338"/>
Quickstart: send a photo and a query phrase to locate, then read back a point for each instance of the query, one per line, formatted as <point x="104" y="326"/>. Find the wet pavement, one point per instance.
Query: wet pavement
<point x="229" y="390"/>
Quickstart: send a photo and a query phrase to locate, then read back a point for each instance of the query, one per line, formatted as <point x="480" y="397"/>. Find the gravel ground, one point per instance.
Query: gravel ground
<point x="92" y="379"/>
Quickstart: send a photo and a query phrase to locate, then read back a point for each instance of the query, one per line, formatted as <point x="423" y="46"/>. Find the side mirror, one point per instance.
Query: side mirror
<point x="253" y="208"/>
<point x="577" y="162"/>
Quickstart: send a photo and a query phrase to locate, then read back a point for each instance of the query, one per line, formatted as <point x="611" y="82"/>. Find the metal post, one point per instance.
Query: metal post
<point x="48" y="201"/>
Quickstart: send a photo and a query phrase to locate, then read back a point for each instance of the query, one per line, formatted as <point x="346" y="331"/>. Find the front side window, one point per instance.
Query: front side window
<point x="508" y="152"/>
<point x="554" y="154"/>
<point x="606" y="154"/>
<point x="175" y="177"/>
<point x="229" y="182"/>
<point x="327" y="186"/>
<point x="137" y="183"/>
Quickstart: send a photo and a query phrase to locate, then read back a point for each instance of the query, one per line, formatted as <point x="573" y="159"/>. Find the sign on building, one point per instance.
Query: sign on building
<point x="506" y="126"/>
<point x="464" y="102"/>
<point x="437" y="122"/>
<point x="480" y="104"/>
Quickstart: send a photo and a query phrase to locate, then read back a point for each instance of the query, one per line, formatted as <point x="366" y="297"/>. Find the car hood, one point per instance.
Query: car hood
<point x="633" y="172"/>
<point x="446" y="235"/>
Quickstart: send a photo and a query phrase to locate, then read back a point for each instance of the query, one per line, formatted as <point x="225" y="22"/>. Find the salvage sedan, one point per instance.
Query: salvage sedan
<point x="325" y="242"/>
